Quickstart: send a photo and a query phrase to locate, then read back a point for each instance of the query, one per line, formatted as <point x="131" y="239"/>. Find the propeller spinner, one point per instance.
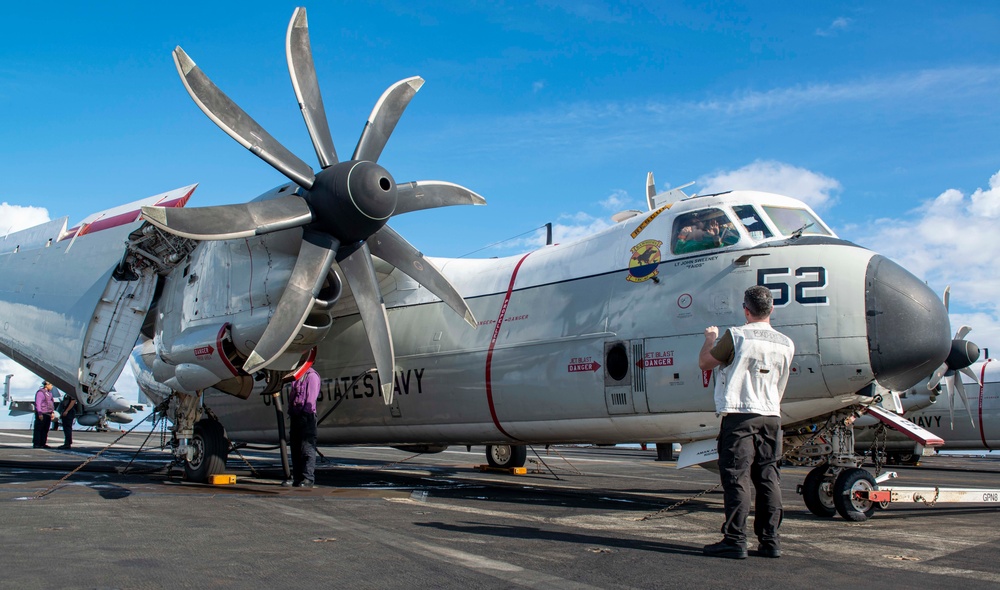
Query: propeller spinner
<point x="343" y="209"/>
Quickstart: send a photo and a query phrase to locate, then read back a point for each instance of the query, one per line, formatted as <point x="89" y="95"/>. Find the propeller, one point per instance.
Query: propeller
<point x="963" y="353"/>
<point x="343" y="209"/>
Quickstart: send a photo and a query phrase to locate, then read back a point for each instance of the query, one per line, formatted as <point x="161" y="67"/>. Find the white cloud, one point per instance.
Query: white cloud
<point x="950" y="240"/>
<point x="24" y="383"/>
<point x="922" y="86"/>
<point x="616" y="201"/>
<point x="817" y="190"/>
<point x="839" y="24"/>
<point x="16" y="217"/>
<point x="538" y="86"/>
<point x="987" y="203"/>
<point x="579" y="226"/>
<point x="568" y="227"/>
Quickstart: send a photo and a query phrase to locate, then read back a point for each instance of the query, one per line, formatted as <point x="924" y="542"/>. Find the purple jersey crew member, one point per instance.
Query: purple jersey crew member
<point x="305" y="392"/>
<point x="44" y="413"/>
<point x="302" y="420"/>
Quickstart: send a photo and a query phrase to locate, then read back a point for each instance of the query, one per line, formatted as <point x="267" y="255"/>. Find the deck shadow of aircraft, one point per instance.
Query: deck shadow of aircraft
<point x="523" y="532"/>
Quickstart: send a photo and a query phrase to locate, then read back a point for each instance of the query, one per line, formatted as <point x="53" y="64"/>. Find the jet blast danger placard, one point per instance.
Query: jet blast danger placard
<point x="580" y="365"/>
<point x="657" y="359"/>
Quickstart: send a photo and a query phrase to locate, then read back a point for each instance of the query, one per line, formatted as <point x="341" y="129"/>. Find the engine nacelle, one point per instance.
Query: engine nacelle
<point x="195" y="359"/>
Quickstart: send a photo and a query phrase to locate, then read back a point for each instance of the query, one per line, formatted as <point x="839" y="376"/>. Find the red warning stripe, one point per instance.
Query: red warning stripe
<point x="982" y="385"/>
<point x="493" y="341"/>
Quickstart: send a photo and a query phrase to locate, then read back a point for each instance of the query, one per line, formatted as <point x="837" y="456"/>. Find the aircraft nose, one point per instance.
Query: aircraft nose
<point x="908" y="328"/>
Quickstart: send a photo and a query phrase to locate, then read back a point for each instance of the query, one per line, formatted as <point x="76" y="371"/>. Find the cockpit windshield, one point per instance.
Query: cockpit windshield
<point x="751" y="220"/>
<point x="792" y="222"/>
<point x="703" y="230"/>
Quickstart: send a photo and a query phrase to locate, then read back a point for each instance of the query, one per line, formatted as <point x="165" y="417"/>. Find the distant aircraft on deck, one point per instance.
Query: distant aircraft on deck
<point x="972" y="428"/>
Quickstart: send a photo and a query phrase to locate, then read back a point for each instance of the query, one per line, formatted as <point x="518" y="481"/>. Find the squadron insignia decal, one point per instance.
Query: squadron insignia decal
<point x="645" y="261"/>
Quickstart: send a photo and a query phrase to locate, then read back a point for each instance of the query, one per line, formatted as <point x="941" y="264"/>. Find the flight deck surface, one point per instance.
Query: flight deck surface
<point x="383" y="518"/>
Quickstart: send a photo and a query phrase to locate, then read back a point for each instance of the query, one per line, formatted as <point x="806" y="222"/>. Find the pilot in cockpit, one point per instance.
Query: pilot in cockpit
<point x="699" y="233"/>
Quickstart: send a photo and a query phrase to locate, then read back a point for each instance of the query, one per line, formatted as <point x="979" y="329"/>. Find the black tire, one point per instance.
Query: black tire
<point x="209" y="451"/>
<point x="506" y="456"/>
<point x="818" y="500"/>
<point x="848" y="505"/>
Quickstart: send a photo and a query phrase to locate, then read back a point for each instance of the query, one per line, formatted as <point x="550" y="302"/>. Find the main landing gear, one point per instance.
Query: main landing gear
<point x="506" y="456"/>
<point x="207" y="452"/>
<point x="199" y="442"/>
<point x="837" y="485"/>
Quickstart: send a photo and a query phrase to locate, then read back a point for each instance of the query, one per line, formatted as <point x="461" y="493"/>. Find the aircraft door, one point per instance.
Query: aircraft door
<point x="672" y="380"/>
<point x="619" y="378"/>
<point x="114" y="328"/>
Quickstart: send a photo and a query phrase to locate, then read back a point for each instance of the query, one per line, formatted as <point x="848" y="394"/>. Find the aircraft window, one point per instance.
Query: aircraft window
<point x="792" y="221"/>
<point x="752" y="221"/>
<point x="703" y="230"/>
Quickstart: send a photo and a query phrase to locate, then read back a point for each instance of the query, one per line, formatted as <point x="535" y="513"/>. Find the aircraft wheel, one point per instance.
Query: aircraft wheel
<point x="506" y="456"/>
<point x="817" y="497"/>
<point x="209" y="450"/>
<point x="848" y="505"/>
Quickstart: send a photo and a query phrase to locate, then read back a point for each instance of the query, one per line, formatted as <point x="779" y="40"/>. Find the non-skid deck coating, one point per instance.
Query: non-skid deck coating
<point x="383" y="518"/>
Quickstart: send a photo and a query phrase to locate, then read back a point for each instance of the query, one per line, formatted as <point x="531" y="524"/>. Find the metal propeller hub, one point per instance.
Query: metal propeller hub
<point x="352" y="200"/>
<point x="963" y="353"/>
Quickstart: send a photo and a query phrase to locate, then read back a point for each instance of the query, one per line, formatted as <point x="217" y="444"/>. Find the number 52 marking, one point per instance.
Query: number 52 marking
<point x="780" y="290"/>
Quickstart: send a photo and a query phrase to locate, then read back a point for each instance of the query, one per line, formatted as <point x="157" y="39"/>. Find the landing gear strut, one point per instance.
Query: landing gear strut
<point x="207" y="451"/>
<point x="200" y="444"/>
<point x="837" y="485"/>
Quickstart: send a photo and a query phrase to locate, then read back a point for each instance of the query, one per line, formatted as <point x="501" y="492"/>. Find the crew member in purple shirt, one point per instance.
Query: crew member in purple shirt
<point x="302" y="438"/>
<point x="45" y="413"/>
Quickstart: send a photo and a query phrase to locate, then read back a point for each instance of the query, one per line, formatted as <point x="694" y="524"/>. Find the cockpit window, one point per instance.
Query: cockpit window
<point x="703" y="230"/>
<point x="795" y="221"/>
<point x="752" y="221"/>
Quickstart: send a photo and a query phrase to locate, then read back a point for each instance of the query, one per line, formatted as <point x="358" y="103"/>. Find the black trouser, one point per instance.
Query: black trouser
<point x="750" y="452"/>
<point x="41" y="433"/>
<point x="302" y="439"/>
<point x="67" y="426"/>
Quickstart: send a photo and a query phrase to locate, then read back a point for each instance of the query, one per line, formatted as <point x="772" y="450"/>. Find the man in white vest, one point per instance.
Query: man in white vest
<point x="751" y="369"/>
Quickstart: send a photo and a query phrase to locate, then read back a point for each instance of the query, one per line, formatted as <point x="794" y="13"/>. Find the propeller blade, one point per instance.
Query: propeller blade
<point x="960" y="388"/>
<point x="650" y="190"/>
<point x="303" y="73"/>
<point x="971" y="374"/>
<point x="946" y="297"/>
<point x="316" y="255"/>
<point x="951" y="403"/>
<point x="239" y="125"/>
<point x="962" y="332"/>
<point x="936" y="376"/>
<point x="227" y="222"/>
<point x="394" y="249"/>
<point x="385" y="115"/>
<point x="360" y="274"/>
<point x="429" y="194"/>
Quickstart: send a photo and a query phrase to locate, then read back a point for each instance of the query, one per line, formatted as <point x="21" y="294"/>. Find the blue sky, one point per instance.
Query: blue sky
<point x="883" y="116"/>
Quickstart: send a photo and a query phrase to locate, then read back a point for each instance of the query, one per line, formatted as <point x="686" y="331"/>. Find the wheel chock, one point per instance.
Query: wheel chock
<point x="507" y="470"/>
<point x="222" y="479"/>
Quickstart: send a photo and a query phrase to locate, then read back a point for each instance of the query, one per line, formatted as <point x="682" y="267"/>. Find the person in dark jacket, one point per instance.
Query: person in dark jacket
<point x="67" y="412"/>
